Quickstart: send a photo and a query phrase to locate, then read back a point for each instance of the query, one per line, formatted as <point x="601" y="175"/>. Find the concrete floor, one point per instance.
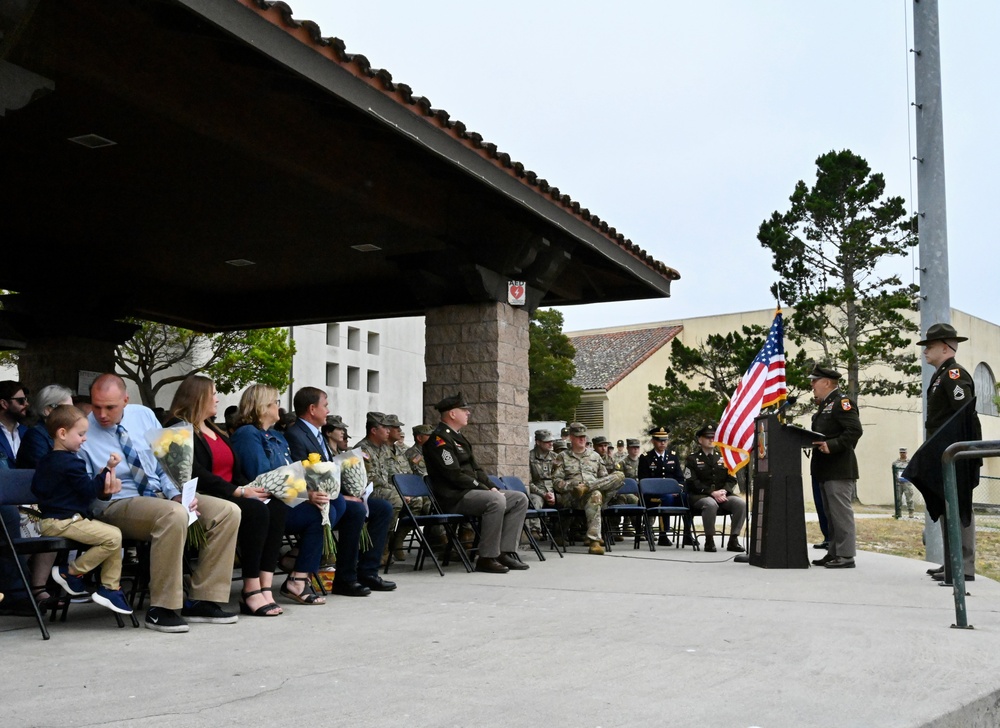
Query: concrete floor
<point x="675" y="638"/>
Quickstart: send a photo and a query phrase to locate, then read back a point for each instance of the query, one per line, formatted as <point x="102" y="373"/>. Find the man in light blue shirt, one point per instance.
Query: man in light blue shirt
<point x="148" y="509"/>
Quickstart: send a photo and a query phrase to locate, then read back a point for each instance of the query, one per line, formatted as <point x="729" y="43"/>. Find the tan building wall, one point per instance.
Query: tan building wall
<point x="889" y="422"/>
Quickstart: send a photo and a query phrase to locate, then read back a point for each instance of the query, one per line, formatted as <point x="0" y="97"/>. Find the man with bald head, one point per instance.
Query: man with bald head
<point x="148" y="508"/>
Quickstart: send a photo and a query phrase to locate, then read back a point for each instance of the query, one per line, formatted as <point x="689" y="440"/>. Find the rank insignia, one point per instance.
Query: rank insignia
<point x="846" y="404"/>
<point x="959" y="392"/>
<point x="447" y="458"/>
<point x="954" y="373"/>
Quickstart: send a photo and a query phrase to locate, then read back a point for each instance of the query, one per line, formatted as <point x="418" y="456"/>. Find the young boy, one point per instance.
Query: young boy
<point x="65" y="492"/>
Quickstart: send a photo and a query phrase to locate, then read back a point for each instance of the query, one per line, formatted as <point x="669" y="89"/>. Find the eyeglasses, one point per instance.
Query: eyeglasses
<point x="19" y="400"/>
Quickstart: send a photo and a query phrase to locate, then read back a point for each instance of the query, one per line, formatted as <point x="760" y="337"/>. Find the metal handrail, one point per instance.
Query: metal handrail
<point x="966" y="450"/>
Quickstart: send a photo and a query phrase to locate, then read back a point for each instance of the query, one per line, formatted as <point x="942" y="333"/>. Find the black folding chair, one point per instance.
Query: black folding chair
<point x="409" y="485"/>
<point x="664" y="498"/>
<point x="610" y="515"/>
<point x="543" y="515"/>
<point x="15" y="490"/>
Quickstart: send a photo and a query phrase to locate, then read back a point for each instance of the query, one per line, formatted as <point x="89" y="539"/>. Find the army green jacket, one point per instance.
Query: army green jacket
<point x="838" y="420"/>
<point x="452" y="467"/>
<point x="541" y="463"/>
<point x="951" y="387"/>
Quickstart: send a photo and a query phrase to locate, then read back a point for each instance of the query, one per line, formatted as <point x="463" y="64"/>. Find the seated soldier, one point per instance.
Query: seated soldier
<point x="582" y="482"/>
<point x="710" y="490"/>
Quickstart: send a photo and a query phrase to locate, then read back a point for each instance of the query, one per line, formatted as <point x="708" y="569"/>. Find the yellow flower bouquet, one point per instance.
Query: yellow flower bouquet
<point x="286" y="483"/>
<point x="323" y="476"/>
<point x="173" y="448"/>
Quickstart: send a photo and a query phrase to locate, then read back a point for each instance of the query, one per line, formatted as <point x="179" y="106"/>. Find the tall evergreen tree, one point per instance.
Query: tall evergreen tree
<point x="550" y="363"/>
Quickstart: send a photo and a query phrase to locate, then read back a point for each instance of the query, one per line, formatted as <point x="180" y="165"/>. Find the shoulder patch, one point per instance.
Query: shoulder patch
<point x="959" y="392"/>
<point x="439" y="442"/>
<point x="846" y="404"/>
<point x="954" y="373"/>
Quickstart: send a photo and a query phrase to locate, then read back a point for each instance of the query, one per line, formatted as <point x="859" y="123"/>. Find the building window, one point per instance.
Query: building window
<point x="333" y="334"/>
<point x="986" y="390"/>
<point x="373" y="381"/>
<point x="353" y="378"/>
<point x="373" y="343"/>
<point x="332" y="374"/>
<point x="353" y="338"/>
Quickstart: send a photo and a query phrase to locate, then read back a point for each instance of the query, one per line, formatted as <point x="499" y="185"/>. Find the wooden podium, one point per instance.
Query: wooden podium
<point x="777" y="514"/>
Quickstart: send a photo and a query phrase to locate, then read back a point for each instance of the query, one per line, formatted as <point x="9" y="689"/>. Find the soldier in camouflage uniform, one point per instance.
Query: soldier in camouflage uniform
<point x="619" y="454"/>
<point x="904" y="488"/>
<point x="399" y="462"/>
<point x="377" y="457"/>
<point x="602" y="446"/>
<point x="415" y="454"/>
<point x="581" y="481"/>
<point x="630" y="464"/>
<point x="541" y="460"/>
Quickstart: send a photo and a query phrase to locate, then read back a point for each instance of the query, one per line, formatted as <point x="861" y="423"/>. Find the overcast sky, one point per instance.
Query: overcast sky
<point x="685" y="124"/>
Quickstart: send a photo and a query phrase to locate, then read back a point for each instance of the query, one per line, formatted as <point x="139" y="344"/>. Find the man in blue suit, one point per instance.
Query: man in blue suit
<point x="13" y="410"/>
<point x="357" y="573"/>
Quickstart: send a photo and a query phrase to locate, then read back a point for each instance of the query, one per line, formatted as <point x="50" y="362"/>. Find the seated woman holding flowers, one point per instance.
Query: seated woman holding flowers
<point x="262" y="523"/>
<point x="259" y="448"/>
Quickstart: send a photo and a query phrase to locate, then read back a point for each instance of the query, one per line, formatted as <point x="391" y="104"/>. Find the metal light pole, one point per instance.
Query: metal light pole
<point x="935" y="306"/>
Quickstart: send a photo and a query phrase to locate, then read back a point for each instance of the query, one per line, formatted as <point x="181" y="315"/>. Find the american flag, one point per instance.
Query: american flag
<point x="763" y="385"/>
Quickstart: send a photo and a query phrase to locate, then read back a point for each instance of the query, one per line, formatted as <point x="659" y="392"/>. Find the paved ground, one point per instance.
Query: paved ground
<point x="673" y="638"/>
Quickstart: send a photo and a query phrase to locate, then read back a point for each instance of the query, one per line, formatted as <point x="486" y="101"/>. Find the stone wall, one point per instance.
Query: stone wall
<point x="482" y="350"/>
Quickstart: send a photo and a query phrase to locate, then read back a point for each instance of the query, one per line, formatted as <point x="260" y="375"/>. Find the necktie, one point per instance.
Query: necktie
<point x="132" y="460"/>
<point x="322" y="446"/>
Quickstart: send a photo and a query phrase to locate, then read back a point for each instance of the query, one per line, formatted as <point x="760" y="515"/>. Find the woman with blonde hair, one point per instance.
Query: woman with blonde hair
<point x="261" y="448"/>
<point x="217" y="468"/>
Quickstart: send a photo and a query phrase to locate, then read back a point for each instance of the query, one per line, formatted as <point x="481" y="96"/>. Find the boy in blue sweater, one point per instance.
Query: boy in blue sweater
<point x="65" y="492"/>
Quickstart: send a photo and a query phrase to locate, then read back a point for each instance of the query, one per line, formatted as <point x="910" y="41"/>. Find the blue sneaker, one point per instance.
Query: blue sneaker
<point x="73" y="585"/>
<point x="113" y="599"/>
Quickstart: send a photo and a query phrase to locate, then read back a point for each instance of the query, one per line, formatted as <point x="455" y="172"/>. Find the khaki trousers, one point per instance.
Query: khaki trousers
<point x="164" y="524"/>
<point x="104" y="539"/>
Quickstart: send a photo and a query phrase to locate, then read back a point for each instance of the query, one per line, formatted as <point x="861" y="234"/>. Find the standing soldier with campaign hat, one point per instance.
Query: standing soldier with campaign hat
<point x="582" y="481"/>
<point x="950" y="389"/>
<point x="834" y="463"/>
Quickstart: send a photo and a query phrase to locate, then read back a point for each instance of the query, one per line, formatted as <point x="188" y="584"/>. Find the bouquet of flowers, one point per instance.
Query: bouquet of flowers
<point x="354" y="482"/>
<point x="173" y="448"/>
<point x="323" y="477"/>
<point x="286" y="483"/>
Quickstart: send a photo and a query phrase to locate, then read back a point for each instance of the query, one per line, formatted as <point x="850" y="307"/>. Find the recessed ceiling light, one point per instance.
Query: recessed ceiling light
<point x="92" y="141"/>
<point x="240" y="262"/>
<point x="366" y="248"/>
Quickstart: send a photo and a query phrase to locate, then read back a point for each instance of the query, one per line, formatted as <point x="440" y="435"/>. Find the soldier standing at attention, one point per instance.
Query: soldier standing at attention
<point x="904" y="488"/>
<point x="710" y="490"/>
<point x="581" y="481"/>
<point x="461" y="486"/>
<point x="834" y="464"/>
<point x="663" y="462"/>
<point x="950" y="389"/>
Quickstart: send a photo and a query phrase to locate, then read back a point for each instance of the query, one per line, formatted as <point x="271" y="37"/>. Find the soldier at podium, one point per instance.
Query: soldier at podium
<point x="834" y="464"/>
<point x="710" y="490"/>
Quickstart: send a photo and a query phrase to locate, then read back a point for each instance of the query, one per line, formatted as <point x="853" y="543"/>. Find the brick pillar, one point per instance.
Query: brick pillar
<point x="59" y="360"/>
<point x="481" y="349"/>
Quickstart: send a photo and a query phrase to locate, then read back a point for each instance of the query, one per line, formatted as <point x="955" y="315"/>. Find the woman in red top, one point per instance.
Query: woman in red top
<point x="262" y="524"/>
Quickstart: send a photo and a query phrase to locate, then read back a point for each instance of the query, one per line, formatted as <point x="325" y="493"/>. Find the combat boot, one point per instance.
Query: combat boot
<point x="709" y="542"/>
<point x="596" y="548"/>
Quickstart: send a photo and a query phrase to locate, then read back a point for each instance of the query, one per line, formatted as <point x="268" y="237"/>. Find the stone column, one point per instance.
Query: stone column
<point x="481" y="349"/>
<point x="60" y="360"/>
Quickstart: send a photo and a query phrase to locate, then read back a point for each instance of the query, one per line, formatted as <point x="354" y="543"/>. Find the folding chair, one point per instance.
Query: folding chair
<point x="629" y="487"/>
<point x="512" y="482"/>
<point x="664" y="498"/>
<point x="410" y="485"/>
<point x="15" y="490"/>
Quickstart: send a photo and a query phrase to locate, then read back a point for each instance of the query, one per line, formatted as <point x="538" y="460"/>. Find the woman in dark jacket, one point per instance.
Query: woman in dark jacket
<point x="219" y="474"/>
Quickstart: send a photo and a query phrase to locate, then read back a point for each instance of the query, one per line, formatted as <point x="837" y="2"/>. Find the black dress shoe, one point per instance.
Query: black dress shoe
<point x="664" y="540"/>
<point x="349" y="589"/>
<point x="736" y="546"/>
<point x="375" y="583"/>
<point x="940" y="577"/>
<point x="824" y="561"/>
<point x="938" y="570"/>
<point x="512" y="563"/>
<point x="821" y="545"/>
<point x="490" y="566"/>
<point x="839" y="562"/>
<point x="709" y="544"/>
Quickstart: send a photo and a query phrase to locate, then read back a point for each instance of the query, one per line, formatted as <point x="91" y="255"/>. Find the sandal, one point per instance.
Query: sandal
<point x="48" y="601"/>
<point x="308" y="596"/>
<point x="264" y="611"/>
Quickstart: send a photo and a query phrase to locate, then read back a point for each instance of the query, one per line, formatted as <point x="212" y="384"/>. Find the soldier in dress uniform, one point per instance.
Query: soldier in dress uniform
<point x="710" y="490"/>
<point x="663" y="462"/>
<point x="835" y="465"/>
<point x="582" y="482"/>
<point x="950" y="389"/>
<point x="461" y="486"/>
